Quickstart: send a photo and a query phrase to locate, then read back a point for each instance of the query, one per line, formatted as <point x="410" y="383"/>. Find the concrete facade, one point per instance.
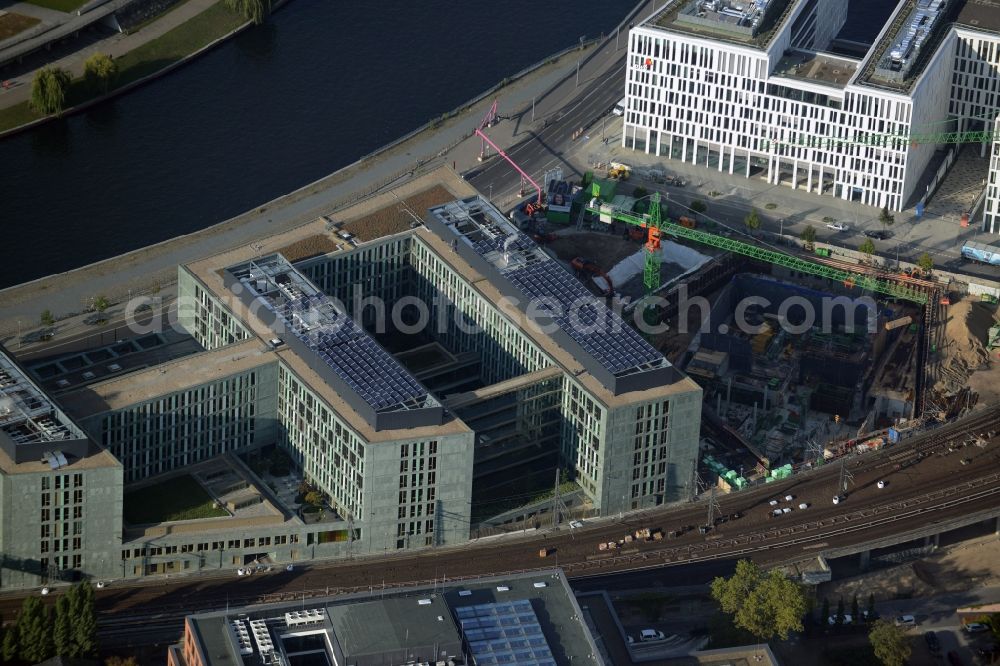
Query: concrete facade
<point x="807" y="118"/>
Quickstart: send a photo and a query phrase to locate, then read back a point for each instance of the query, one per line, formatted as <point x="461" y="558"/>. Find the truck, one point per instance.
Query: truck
<point x="981" y="253"/>
<point x="584" y="265"/>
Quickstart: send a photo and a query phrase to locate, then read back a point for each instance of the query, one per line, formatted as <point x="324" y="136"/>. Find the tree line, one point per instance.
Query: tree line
<point x="40" y="632"/>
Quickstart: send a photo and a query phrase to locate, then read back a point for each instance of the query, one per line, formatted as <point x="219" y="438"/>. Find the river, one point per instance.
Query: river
<point x="322" y="83"/>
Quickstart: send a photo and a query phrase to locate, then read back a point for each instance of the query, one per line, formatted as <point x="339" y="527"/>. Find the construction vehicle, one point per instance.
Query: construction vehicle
<point x="686" y="222"/>
<point x="619" y="171"/>
<point x="582" y="265"/>
<point x="543" y="238"/>
<point x="656" y="224"/>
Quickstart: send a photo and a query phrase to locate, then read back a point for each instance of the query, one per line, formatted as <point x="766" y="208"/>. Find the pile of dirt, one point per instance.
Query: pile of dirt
<point x="966" y="333"/>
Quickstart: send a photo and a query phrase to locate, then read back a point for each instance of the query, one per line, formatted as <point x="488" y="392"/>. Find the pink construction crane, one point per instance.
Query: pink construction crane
<point x="489" y="120"/>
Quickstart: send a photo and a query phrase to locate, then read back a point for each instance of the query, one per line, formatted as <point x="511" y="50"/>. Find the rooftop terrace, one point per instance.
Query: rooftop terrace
<point x="816" y="68"/>
<point x="745" y="22"/>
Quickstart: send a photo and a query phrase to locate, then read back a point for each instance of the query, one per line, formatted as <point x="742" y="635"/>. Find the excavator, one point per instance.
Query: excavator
<point x="582" y="265"/>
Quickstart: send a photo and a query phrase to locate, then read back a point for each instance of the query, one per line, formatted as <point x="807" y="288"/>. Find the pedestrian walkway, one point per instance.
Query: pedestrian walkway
<point x="19" y="89"/>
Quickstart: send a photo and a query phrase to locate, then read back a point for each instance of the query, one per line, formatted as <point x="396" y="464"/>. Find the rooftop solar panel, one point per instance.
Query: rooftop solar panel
<point x="505" y="633"/>
<point x="374" y="374"/>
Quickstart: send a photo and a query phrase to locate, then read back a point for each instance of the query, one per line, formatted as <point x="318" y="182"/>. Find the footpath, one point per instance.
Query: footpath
<point x="19" y="87"/>
<point x="550" y="87"/>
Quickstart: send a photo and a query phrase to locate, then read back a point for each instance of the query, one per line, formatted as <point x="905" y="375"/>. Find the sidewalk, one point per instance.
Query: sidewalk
<point x="449" y="145"/>
<point x="940" y="236"/>
<point x="115" y="46"/>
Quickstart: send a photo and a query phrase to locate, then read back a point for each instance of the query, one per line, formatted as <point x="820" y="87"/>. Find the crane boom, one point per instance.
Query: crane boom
<point x="890" y="140"/>
<point x="524" y="176"/>
<point x="658" y="225"/>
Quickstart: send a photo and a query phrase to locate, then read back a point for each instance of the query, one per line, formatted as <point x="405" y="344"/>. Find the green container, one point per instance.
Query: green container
<point x="557" y="217"/>
<point x="822" y="252"/>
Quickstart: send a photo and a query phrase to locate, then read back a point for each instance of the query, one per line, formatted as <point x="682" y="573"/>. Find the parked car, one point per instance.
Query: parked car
<point x="649" y="635"/>
<point x="976" y="627"/>
<point x="804" y="505"/>
<point x="575" y="524"/>
<point x="932" y="642"/>
<point x="45" y="591"/>
<point x="832" y="620"/>
<point x="906" y="621"/>
<point x="837" y="226"/>
<point x="837" y="499"/>
<point x="877" y="235"/>
<point x="290" y="567"/>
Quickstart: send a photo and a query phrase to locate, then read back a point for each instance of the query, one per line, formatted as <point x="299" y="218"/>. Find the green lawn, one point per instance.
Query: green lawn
<point x="151" y="57"/>
<point x="12" y="23"/>
<point x="58" y="5"/>
<point x="180" y="498"/>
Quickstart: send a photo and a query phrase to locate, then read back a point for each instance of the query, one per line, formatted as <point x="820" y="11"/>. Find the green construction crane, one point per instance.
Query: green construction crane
<point x="659" y="225"/>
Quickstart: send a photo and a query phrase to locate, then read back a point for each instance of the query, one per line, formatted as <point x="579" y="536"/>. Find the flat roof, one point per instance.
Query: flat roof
<point x="813" y="67"/>
<point x="730" y="21"/>
<point x="27" y="415"/>
<point x="673" y="381"/>
<point x="101" y="458"/>
<point x="370" y="625"/>
<point x="187" y="372"/>
<point x="980" y="15"/>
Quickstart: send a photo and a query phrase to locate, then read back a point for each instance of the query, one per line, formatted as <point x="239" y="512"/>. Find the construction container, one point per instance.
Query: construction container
<point x="822" y="252"/>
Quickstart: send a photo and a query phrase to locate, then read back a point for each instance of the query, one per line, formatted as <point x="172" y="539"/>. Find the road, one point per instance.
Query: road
<point x="934" y="487"/>
<point x="545" y="148"/>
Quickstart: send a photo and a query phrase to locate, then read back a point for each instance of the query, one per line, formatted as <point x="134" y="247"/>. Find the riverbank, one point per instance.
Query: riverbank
<point x="159" y="47"/>
<point x="441" y="142"/>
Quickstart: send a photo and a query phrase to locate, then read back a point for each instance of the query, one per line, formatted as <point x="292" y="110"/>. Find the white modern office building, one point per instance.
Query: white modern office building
<point x="750" y="87"/>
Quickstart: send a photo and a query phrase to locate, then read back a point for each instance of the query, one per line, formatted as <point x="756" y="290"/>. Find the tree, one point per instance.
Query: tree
<point x="252" y="10"/>
<point x="100" y="71"/>
<point x="926" y="262"/>
<point x="871" y="607"/>
<point x="825" y="617"/>
<point x="101" y="304"/>
<point x="85" y="623"/>
<point x="809" y="236"/>
<point x="752" y="221"/>
<point x="889" y="643"/>
<point x="698" y="206"/>
<point x="34" y="637"/>
<point x="855" y="614"/>
<point x="886" y="218"/>
<point x="75" y="601"/>
<point x="48" y="90"/>
<point x="839" y="619"/>
<point x="8" y="650"/>
<point x="46" y="318"/>
<point x="314" y="498"/>
<point x="867" y="248"/>
<point x="62" y="633"/>
<point x="763" y="605"/>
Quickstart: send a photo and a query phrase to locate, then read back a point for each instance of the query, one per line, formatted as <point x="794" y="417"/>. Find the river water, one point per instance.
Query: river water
<point x="321" y="84"/>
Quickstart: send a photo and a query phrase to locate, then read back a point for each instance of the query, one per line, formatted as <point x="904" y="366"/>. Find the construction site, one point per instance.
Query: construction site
<point x="861" y="354"/>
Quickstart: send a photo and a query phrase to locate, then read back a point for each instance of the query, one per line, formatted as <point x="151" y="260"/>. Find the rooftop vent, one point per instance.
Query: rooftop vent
<point x="465" y="593"/>
<point x="424" y="602"/>
<point x="503" y="588"/>
<point x="541" y="584"/>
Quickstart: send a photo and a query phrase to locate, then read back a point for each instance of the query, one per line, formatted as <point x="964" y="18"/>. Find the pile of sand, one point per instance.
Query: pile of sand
<point x="967" y="333"/>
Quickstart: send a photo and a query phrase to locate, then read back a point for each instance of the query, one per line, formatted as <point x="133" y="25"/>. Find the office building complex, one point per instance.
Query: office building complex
<point x="293" y="358"/>
<point x="530" y="620"/>
<point x="60" y="494"/>
<point x="750" y="87"/>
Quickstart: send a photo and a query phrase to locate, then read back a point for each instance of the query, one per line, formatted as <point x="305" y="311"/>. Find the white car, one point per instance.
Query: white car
<point x="976" y="627"/>
<point x="241" y="572"/>
<point x="906" y="621"/>
<point x="101" y="584"/>
<point x="881" y="484"/>
<point x="776" y="512"/>
<point x="290" y="567"/>
<point x="837" y="226"/>
<point x="787" y="509"/>
<point x="832" y="620"/>
<point x="649" y="635"/>
<point x="773" y="502"/>
<point x="804" y="505"/>
<point x="789" y="498"/>
<point x="574" y="524"/>
<point x="45" y="591"/>
<point x="837" y="499"/>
